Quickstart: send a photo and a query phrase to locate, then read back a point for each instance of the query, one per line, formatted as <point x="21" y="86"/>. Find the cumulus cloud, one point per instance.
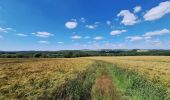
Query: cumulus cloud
<point x="95" y="25"/>
<point x="158" y="12"/>
<point x="148" y="35"/>
<point x="71" y="24"/>
<point x="128" y="17"/>
<point x="43" y="42"/>
<point x="117" y="32"/>
<point x="43" y="34"/>
<point x="98" y="38"/>
<point x="134" y="38"/>
<point x="22" y="35"/>
<point x="76" y="37"/>
<point x="157" y="32"/>
<point x="137" y="9"/>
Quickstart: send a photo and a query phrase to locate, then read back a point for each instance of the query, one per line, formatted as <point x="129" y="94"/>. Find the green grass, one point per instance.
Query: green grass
<point x="79" y="88"/>
<point x="104" y="87"/>
<point x="127" y="83"/>
<point x="121" y="84"/>
<point x="136" y="87"/>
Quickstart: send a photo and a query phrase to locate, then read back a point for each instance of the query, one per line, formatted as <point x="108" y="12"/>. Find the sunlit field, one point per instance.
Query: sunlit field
<point x="33" y="78"/>
<point x="155" y="67"/>
<point x="84" y="50"/>
<point x="87" y="78"/>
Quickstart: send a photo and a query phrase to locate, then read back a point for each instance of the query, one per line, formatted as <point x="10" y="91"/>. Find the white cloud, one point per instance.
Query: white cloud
<point x="3" y="30"/>
<point x="134" y="38"/>
<point x="83" y="20"/>
<point x="147" y="37"/>
<point x="76" y="37"/>
<point x="137" y="9"/>
<point x="117" y="32"/>
<point x="43" y="34"/>
<point x="71" y="24"/>
<point x="158" y="11"/>
<point x="6" y="30"/>
<point x="91" y="26"/>
<point x="10" y="29"/>
<point x="98" y="38"/>
<point x="22" y="35"/>
<point x="60" y="42"/>
<point x="95" y="25"/>
<point x="157" y="32"/>
<point x="43" y="42"/>
<point x="128" y="17"/>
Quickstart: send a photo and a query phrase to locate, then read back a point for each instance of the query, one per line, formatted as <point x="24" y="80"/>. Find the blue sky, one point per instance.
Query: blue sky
<point x="84" y="24"/>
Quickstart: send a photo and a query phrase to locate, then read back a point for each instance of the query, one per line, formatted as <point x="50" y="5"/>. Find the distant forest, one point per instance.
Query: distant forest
<point x="82" y="53"/>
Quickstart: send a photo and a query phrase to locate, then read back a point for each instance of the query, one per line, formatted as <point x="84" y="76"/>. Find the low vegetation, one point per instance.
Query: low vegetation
<point x="155" y="67"/>
<point x="82" y="53"/>
<point x="89" y="78"/>
<point x="39" y="78"/>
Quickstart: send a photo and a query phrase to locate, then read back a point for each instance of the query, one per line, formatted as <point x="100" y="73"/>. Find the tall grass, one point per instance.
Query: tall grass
<point x="104" y="87"/>
<point x="76" y="79"/>
<point x="79" y="88"/>
<point x="29" y="79"/>
<point x="136" y="87"/>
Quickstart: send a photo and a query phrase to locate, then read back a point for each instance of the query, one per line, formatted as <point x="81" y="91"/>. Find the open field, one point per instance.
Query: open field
<point x="96" y="78"/>
<point x="31" y="78"/>
<point x="155" y="67"/>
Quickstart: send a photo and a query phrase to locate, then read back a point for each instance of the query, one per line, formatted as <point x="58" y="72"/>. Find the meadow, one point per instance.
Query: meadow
<point x="87" y="78"/>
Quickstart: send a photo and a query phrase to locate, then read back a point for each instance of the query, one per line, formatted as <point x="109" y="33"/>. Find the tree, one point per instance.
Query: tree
<point x="37" y="55"/>
<point x="68" y="54"/>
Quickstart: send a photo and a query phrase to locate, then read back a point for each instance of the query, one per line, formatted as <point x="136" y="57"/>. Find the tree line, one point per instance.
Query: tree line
<point x="82" y="53"/>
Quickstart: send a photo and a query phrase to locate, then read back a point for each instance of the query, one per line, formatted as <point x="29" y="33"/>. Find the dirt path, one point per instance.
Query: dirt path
<point x="104" y="89"/>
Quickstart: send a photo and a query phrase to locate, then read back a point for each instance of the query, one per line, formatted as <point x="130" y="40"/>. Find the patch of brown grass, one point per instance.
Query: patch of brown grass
<point x="104" y="89"/>
<point x="34" y="78"/>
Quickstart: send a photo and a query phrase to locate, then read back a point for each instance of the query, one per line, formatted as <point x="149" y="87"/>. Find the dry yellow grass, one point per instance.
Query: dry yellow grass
<point x="32" y="78"/>
<point x="154" y="67"/>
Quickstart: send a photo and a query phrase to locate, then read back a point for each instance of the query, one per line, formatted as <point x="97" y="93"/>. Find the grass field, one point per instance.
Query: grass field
<point x="96" y="78"/>
<point x="155" y="67"/>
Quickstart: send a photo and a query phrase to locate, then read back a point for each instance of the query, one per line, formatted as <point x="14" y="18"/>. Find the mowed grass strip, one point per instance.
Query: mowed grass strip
<point x="154" y="67"/>
<point x="39" y="78"/>
<point x="104" y="89"/>
<point x="125" y="84"/>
